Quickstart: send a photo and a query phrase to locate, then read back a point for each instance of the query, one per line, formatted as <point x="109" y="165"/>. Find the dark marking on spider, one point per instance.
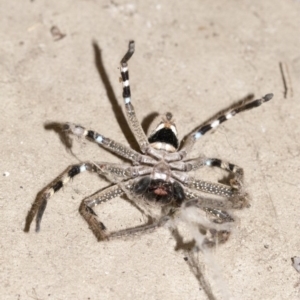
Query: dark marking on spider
<point x="160" y="191"/>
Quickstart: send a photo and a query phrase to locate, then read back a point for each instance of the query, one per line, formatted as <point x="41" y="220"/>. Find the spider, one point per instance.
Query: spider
<point x="159" y="176"/>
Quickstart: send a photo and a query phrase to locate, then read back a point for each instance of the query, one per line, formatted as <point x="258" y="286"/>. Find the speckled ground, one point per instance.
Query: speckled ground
<point x="193" y="58"/>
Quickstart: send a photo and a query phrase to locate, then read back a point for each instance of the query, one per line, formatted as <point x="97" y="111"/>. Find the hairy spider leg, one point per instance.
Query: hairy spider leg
<point x="143" y="229"/>
<point x="133" y="122"/>
<point x="193" y="137"/>
<point x="40" y="203"/>
<point x="87" y="212"/>
<point x="109" y="144"/>
<point x="116" y="172"/>
<point x="203" y="186"/>
<point x="106" y="194"/>
<point x="109" y="170"/>
<point x="200" y="162"/>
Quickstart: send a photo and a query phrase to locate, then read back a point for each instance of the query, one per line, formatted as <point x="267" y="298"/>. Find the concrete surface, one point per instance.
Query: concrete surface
<point x="193" y="58"/>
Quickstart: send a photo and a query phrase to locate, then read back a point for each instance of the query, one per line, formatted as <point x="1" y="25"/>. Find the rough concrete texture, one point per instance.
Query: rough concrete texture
<point x="193" y="58"/>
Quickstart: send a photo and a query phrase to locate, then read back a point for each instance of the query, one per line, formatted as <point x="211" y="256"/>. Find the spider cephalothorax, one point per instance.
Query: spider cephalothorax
<point x="160" y="175"/>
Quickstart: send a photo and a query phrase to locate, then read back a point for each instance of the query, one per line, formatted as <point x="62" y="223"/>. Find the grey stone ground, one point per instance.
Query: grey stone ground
<point x="193" y="58"/>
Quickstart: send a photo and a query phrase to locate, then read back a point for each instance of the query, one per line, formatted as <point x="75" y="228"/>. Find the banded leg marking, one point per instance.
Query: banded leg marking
<point x="237" y="182"/>
<point x="39" y="205"/>
<point x="255" y="103"/>
<point x="125" y="73"/>
<point x="197" y="163"/>
<point x="133" y="122"/>
<point x="229" y="167"/>
<point x="107" y="143"/>
<point x="238" y="197"/>
<point x="224" y="117"/>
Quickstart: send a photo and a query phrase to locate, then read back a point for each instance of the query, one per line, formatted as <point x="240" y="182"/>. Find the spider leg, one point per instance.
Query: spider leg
<point x="115" y="171"/>
<point x="189" y="165"/>
<point x="239" y="196"/>
<point x="203" y="186"/>
<point x="234" y="193"/>
<point x="97" y="227"/>
<point x="109" y="144"/>
<point x="133" y="122"/>
<point x="194" y="199"/>
<point x="195" y="164"/>
<point x="210" y="187"/>
<point x="238" y="181"/>
<point x="87" y="212"/>
<point x="39" y="205"/>
<point x="146" y="228"/>
<point x="215" y="209"/>
<point x="202" y="130"/>
<point x="200" y="162"/>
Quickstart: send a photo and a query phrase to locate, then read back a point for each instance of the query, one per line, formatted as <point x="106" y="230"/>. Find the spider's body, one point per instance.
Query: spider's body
<point x="159" y="176"/>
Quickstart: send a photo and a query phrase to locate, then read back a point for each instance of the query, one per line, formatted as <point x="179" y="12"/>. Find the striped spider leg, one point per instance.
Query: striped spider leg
<point x="238" y="173"/>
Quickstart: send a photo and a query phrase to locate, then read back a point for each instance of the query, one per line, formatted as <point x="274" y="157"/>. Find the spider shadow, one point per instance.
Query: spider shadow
<point x="190" y="250"/>
<point x="32" y="212"/>
<point x="116" y="107"/>
<point x="64" y="137"/>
